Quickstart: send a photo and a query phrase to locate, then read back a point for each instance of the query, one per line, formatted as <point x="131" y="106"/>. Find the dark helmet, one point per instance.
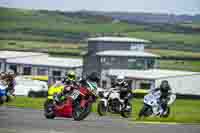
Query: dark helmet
<point x="165" y="85"/>
<point x="94" y="77"/>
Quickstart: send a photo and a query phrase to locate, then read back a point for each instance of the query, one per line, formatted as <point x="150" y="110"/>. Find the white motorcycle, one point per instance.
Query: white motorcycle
<point x="110" y="102"/>
<point x="152" y="106"/>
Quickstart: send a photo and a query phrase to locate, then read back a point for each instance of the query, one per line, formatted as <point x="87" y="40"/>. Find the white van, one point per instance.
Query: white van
<point x="31" y="88"/>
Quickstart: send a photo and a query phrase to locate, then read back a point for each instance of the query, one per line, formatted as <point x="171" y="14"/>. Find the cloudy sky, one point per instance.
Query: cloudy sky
<point x="155" y="6"/>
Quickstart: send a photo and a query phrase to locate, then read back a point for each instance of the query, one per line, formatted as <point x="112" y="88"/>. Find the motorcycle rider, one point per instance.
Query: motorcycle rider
<point x="166" y="91"/>
<point x="69" y="81"/>
<point x="3" y="78"/>
<point x="70" y="78"/>
<point x="11" y="84"/>
<point x="125" y="90"/>
<point x="91" y="81"/>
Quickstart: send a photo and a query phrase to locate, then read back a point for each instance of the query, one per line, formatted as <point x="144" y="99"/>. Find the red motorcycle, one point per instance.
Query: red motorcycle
<point x="77" y="105"/>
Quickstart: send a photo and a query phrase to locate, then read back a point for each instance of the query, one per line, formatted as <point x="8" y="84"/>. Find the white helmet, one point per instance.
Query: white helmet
<point x="120" y="79"/>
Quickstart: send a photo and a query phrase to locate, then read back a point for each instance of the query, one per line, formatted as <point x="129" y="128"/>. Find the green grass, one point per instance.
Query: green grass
<point x="52" y="48"/>
<point x="174" y="53"/>
<point x="167" y="37"/>
<point x="23" y="24"/>
<point x="25" y="102"/>
<point x="182" y="111"/>
<point x="180" y="65"/>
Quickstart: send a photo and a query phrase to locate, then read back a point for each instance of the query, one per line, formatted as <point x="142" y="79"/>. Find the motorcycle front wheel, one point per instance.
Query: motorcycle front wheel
<point x="145" y="111"/>
<point x="101" y="108"/>
<point x="80" y="113"/>
<point x="166" y="113"/>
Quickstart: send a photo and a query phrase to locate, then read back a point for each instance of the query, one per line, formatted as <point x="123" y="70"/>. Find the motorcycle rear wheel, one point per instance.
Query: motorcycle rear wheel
<point x="101" y="109"/>
<point x="167" y="113"/>
<point x="48" y="109"/>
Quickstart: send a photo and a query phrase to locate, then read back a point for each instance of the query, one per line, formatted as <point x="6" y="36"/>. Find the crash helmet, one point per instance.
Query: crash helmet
<point x="71" y="75"/>
<point x="164" y="85"/>
<point x="94" y="77"/>
<point x="120" y="79"/>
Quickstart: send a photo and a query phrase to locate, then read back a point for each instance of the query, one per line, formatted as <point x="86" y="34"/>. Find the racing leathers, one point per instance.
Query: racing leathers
<point x="125" y="91"/>
<point x="166" y="92"/>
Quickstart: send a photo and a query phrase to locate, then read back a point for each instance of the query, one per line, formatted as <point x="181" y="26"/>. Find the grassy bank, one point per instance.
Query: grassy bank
<point x="174" y="53"/>
<point x="180" y="65"/>
<point x="182" y="111"/>
<point x="38" y="25"/>
<point x="71" y="49"/>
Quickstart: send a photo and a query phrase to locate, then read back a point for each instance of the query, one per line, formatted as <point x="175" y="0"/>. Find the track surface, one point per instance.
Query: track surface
<point x="14" y="120"/>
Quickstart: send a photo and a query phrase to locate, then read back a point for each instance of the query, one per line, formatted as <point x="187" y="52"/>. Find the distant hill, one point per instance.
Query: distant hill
<point x="150" y="17"/>
<point x="165" y="31"/>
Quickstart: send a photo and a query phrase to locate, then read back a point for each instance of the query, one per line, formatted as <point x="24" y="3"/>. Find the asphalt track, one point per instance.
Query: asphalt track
<point x="15" y="120"/>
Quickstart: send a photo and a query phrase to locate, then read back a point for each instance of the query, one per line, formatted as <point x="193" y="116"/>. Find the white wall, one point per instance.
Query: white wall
<point x="2" y="65"/>
<point x="183" y="84"/>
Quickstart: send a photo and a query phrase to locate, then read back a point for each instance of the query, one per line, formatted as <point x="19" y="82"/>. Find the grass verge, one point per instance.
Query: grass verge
<point x="182" y="111"/>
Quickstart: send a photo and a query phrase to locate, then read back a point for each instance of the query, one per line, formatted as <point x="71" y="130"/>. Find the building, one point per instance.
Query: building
<point x="106" y="53"/>
<point x="5" y="55"/>
<point x="113" y="56"/>
<point x="181" y="82"/>
<point x="28" y="63"/>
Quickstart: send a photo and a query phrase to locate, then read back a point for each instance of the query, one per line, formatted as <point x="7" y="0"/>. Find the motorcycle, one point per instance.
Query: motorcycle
<point x="2" y="93"/>
<point x="152" y="105"/>
<point x="77" y="104"/>
<point x="111" y="102"/>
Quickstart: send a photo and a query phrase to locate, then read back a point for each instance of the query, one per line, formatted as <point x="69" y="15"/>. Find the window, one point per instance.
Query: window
<point x="150" y="63"/>
<point x="113" y="59"/>
<point x="57" y="75"/>
<point x="27" y="70"/>
<point x="13" y="67"/>
<point x="136" y="63"/>
<point x="137" y="47"/>
<point x="42" y="71"/>
<point x="105" y="60"/>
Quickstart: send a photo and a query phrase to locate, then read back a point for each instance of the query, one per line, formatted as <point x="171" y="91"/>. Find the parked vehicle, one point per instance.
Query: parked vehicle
<point x="77" y="105"/>
<point x="31" y="88"/>
<point x="110" y="102"/>
<point x="2" y="93"/>
<point x="152" y="106"/>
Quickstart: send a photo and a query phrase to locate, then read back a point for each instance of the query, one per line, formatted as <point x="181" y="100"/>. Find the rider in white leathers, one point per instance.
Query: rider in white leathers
<point x="166" y="92"/>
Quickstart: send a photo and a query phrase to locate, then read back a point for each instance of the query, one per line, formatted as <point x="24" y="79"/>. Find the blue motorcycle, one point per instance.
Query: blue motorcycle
<point x="2" y="93"/>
